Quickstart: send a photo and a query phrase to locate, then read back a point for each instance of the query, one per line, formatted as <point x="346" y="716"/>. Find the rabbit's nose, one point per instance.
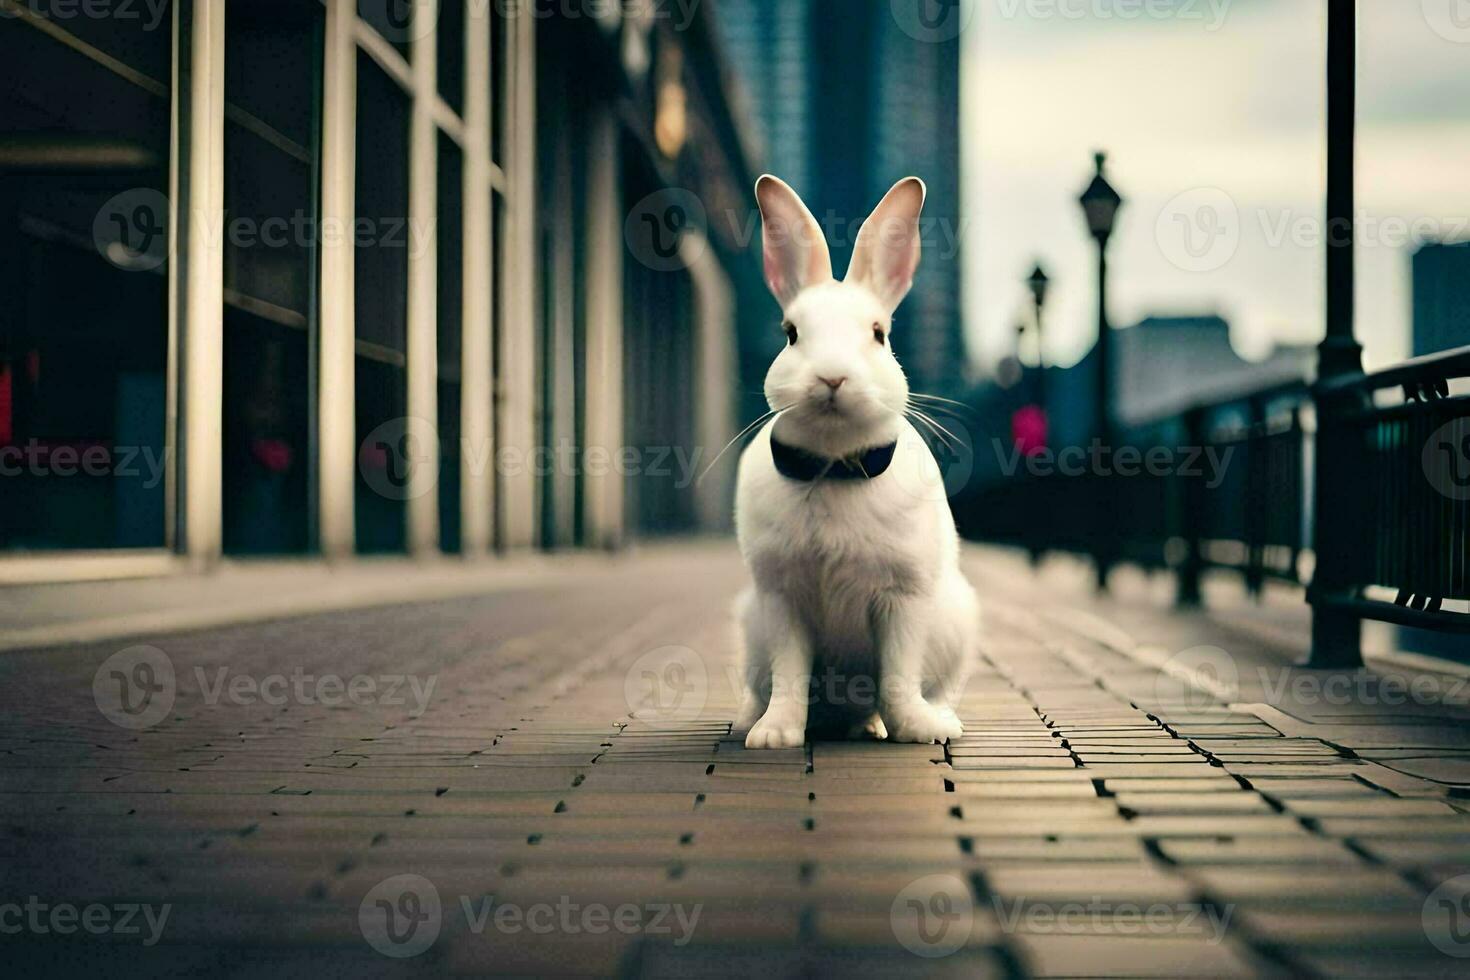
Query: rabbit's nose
<point x="833" y="383"/>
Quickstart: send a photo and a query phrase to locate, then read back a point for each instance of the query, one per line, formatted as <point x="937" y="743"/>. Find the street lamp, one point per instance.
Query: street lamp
<point x="1100" y="204"/>
<point x="1038" y="282"/>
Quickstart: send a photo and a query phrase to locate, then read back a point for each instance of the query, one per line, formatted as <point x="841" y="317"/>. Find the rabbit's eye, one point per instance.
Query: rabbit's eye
<point x="790" y="329"/>
<point x="878" y="333"/>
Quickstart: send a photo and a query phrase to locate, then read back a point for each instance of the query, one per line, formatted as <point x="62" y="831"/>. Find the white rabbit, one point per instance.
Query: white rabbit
<point x="858" y="605"/>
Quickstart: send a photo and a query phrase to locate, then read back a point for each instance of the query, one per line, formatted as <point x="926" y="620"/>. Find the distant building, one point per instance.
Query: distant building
<point x="1165" y="364"/>
<point x="1441" y="294"/>
<point x="846" y="101"/>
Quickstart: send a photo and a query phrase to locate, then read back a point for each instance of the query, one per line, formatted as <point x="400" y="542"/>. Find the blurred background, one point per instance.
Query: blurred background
<point x="428" y="277"/>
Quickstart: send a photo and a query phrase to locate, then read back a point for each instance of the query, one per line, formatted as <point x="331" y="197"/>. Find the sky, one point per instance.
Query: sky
<point x="1213" y="116"/>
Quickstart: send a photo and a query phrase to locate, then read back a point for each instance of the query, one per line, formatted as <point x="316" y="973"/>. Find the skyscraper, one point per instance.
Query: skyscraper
<point x="1441" y="297"/>
<point x="848" y="98"/>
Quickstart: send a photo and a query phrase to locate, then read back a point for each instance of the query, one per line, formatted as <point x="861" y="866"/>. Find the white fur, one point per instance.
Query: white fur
<point x="857" y="580"/>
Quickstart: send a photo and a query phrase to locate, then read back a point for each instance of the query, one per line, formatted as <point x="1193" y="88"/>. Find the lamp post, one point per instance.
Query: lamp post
<point x="1038" y="283"/>
<point x="1100" y="204"/>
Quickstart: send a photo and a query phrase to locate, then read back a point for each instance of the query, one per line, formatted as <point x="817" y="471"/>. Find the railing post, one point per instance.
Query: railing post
<point x="1187" y="576"/>
<point x="1337" y="633"/>
<point x="1257" y="495"/>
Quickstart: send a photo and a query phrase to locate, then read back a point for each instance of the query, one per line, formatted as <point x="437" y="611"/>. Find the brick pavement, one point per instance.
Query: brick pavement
<point x="1125" y="802"/>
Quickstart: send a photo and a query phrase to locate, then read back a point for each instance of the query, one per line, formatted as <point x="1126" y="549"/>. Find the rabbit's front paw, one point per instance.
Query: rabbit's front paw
<point x="777" y="730"/>
<point x="924" y="723"/>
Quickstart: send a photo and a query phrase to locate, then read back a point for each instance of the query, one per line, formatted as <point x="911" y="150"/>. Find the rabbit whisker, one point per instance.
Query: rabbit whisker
<point x="738" y="436"/>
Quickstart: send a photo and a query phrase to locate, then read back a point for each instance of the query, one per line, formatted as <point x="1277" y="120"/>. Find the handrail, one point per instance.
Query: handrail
<point x="1454" y="363"/>
<point x="1241" y="396"/>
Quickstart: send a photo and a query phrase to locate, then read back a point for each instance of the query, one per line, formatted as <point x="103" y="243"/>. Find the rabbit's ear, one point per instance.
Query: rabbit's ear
<point x="795" y="251"/>
<point x="887" y="251"/>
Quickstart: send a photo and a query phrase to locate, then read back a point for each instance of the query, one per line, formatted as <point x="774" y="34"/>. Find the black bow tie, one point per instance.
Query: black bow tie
<point x="798" y="464"/>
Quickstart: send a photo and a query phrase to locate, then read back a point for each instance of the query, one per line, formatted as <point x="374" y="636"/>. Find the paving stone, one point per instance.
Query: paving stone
<point x="1059" y="882"/>
<point x="1132" y="956"/>
<point x="1220" y="782"/>
<point x="1025" y="791"/>
<point x="994" y="850"/>
<point x="1373" y="806"/>
<point x="1304" y="886"/>
<point x="1369" y="928"/>
<point x="1304" y="849"/>
<point x="526" y="779"/>
<point x="1171" y="804"/>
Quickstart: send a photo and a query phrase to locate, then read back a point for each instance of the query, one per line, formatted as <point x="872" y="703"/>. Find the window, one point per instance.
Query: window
<point x="84" y="149"/>
<point x="271" y="159"/>
<point x="382" y="237"/>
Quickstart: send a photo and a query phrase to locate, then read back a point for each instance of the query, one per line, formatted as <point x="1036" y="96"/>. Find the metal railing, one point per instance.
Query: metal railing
<point x="1402" y="518"/>
<point x="1218" y="486"/>
<point x="1390" y="520"/>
